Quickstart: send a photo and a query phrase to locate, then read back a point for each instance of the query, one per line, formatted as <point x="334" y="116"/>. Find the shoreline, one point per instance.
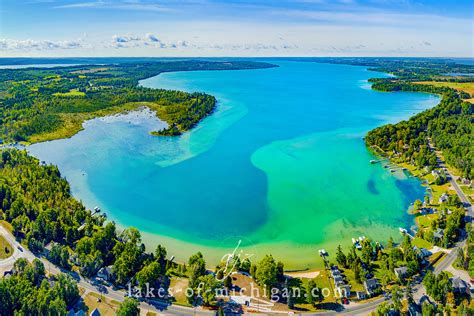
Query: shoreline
<point x="268" y="247"/>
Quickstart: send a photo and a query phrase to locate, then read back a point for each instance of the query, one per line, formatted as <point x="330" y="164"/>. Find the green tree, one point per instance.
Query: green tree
<point x="428" y="309"/>
<point x="397" y="296"/>
<point x="129" y="307"/>
<point x="313" y="293"/>
<point x="417" y="204"/>
<point x="228" y="282"/>
<point x="208" y="287"/>
<point x="149" y="274"/>
<point x="266" y="272"/>
<point x="341" y="257"/>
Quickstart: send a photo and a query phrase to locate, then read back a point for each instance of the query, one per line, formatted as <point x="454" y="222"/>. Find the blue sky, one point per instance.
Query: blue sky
<point x="236" y="28"/>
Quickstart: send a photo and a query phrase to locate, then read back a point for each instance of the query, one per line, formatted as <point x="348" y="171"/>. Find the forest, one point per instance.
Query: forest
<point x="83" y="241"/>
<point x="448" y="126"/>
<point x="38" y="104"/>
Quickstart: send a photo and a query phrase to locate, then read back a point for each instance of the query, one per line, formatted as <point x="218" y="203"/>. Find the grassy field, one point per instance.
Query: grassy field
<point x="467" y="87"/>
<point x="6" y="249"/>
<point x="72" y="93"/>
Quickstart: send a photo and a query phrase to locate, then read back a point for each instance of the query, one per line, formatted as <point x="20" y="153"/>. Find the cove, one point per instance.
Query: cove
<point x="280" y="165"/>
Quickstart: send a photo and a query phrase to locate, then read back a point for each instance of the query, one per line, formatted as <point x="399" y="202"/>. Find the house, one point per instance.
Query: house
<point x="105" y="273"/>
<point x="426" y="300"/>
<point x="400" y="272"/>
<point x="443" y="198"/>
<point x="422" y="252"/>
<point x="371" y="286"/>
<point x="460" y="286"/>
<point x="338" y="278"/>
<point x="438" y="234"/>
<point x="435" y="173"/>
<point x="95" y="312"/>
<point x="344" y="290"/>
<point x="361" y="295"/>
<point x="336" y="274"/>
<point x="240" y="300"/>
<point x="414" y="310"/>
<point x="425" y="252"/>
<point x="71" y="312"/>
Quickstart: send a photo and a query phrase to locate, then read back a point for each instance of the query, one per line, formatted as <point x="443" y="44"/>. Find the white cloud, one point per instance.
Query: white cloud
<point x="27" y="45"/>
<point x="151" y="37"/>
<point x="117" y="5"/>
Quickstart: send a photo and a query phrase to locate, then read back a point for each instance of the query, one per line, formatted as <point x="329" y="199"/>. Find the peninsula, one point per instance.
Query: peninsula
<point x="40" y="104"/>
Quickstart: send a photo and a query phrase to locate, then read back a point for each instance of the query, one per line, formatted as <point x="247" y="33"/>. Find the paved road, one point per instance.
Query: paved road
<point x="365" y="309"/>
<point x="111" y="294"/>
<point x="361" y="309"/>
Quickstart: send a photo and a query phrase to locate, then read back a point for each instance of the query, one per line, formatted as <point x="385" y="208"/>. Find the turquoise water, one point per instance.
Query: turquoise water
<point x="280" y="165"/>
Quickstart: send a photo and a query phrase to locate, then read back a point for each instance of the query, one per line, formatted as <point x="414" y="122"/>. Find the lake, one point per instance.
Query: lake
<point x="280" y="167"/>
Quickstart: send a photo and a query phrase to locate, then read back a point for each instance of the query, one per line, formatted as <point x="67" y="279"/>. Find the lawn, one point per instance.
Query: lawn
<point x="424" y="221"/>
<point x="106" y="307"/>
<point x="421" y="243"/>
<point x="178" y="288"/>
<point x="350" y="278"/>
<point x="322" y="281"/>
<point x="6" y="249"/>
<point x="436" y="258"/>
<point x="7" y="225"/>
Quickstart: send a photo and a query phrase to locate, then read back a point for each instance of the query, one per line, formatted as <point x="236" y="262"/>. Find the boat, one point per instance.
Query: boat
<point x="402" y="230"/>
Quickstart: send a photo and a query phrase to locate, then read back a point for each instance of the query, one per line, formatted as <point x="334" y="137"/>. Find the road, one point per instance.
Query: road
<point x="7" y="264"/>
<point x="365" y="309"/>
<point x="360" y="309"/>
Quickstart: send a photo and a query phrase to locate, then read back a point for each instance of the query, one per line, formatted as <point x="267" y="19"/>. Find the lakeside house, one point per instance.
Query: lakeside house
<point x="338" y="280"/>
<point x="371" y="285"/>
<point x="438" y="234"/>
<point x="401" y="272"/>
<point x="344" y="290"/>
<point x="80" y="312"/>
<point x="460" y="286"/>
<point x="422" y="253"/>
<point x="443" y="198"/>
<point x="105" y="273"/>
<point x="335" y="271"/>
<point x="95" y="312"/>
<point x="414" y="309"/>
<point x="361" y="295"/>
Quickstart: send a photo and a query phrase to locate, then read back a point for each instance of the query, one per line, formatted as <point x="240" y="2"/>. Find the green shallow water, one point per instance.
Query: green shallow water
<point x="281" y="164"/>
